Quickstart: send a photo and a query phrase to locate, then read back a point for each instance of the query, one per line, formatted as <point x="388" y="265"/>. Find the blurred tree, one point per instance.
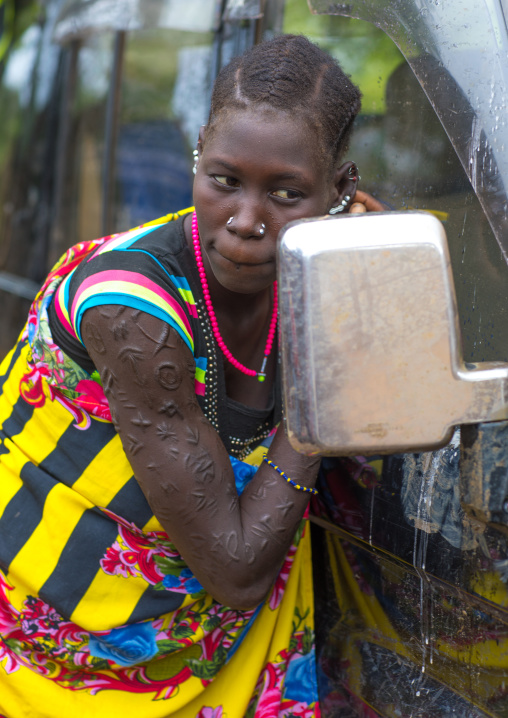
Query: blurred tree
<point x="7" y="9"/>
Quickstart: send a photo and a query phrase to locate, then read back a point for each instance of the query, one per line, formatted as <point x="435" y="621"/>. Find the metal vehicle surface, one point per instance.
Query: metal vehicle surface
<point x="101" y="102"/>
<point x="412" y="590"/>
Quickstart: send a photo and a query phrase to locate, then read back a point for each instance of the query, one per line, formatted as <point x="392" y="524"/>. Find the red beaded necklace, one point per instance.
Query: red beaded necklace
<point x="213" y="319"/>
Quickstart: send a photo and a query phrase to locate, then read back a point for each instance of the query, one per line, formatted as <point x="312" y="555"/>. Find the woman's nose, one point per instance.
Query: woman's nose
<point x="247" y="223"/>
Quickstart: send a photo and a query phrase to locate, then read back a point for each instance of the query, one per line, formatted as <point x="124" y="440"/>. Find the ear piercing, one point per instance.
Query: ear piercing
<point x="195" y="154"/>
<point x="341" y="207"/>
<point x="352" y="172"/>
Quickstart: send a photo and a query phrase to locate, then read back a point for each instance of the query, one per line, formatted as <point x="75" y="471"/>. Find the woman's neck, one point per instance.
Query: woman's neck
<point x="244" y="323"/>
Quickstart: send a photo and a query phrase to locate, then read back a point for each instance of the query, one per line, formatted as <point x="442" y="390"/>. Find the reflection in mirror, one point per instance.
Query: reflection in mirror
<point x="370" y="338"/>
<point x="78" y="19"/>
<point x="406" y="157"/>
<point x="462" y="46"/>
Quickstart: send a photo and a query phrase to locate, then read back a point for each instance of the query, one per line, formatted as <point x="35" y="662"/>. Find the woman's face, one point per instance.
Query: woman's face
<point x="257" y="167"/>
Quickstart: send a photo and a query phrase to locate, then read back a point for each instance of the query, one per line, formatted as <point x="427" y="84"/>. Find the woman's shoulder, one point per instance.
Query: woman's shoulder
<point x="160" y="239"/>
<point x="146" y="269"/>
<point x="155" y="249"/>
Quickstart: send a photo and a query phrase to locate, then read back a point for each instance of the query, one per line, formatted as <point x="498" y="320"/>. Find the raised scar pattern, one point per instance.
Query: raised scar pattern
<point x="161" y="341"/>
<point x="165" y="432"/>
<point x="133" y="356"/>
<point x="205" y="502"/>
<point x="114" y="419"/>
<point x="171" y="409"/>
<point x="94" y="338"/>
<point x="285" y="508"/>
<point x="108" y="380"/>
<point x="168" y="375"/>
<point x="120" y="330"/>
<point x="140" y="421"/>
<point x="201" y="465"/>
<point x="192" y="435"/>
<point x="134" y="445"/>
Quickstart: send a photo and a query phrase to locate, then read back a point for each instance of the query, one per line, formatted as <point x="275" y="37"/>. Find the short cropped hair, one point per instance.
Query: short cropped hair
<point x="291" y="74"/>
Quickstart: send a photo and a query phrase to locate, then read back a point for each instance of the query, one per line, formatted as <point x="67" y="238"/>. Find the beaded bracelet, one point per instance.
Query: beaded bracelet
<point x="305" y="489"/>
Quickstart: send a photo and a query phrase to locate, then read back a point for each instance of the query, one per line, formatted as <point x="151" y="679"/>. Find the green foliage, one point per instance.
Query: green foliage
<point x="169" y="566"/>
<point x="251" y="710"/>
<point x="168" y="646"/>
<point x="206" y="670"/>
<point x="14" y="645"/>
<point x="167" y="666"/>
<point x="210" y="623"/>
<point x="307" y="640"/>
<point x="100" y="664"/>
<point x="363" y="50"/>
<point x="150" y="72"/>
<point x="182" y="631"/>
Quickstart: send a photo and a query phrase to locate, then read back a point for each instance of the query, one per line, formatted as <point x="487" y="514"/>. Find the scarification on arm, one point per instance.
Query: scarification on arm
<point x="120" y="330"/>
<point x="171" y="409"/>
<point x="234" y="544"/>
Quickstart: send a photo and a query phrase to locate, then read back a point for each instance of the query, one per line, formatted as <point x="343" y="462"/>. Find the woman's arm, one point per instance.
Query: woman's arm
<point x="234" y="545"/>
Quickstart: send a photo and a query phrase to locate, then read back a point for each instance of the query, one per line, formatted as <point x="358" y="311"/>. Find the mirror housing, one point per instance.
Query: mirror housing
<point x="371" y="353"/>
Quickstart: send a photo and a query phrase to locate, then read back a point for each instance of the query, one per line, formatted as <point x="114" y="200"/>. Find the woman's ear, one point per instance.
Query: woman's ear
<point x="201" y="138"/>
<point x="199" y="148"/>
<point x="345" y="181"/>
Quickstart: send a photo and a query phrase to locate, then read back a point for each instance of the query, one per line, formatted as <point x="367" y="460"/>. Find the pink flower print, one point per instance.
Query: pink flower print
<point x="269" y="704"/>
<point x="280" y="582"/>
<point x="208" y="712"/>
<point x="92" y="399"/>
<point x="118" y="562"/>
<point x="11" y="661"/>
<point x="299" y="710"/>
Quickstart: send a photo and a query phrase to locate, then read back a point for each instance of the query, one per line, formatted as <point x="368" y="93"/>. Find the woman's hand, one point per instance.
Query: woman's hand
<point x="233" y="544"/>
<point x="365" y="202"/>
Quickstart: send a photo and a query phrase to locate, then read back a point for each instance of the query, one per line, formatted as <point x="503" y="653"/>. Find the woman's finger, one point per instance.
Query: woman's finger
<point x="357" y="208"/>
<point x="371" y="204"/>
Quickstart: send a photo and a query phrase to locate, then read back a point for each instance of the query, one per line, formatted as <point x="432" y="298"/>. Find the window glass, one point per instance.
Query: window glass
<point x="407" y="160"/>
<point x="27" y="149"/>
<point x="164" y="100"/>
<point x="77" y="198"/>
<point x="96" y="130"/>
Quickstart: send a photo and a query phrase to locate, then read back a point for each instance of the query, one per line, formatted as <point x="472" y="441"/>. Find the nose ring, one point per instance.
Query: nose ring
<point x="262" y="228"/>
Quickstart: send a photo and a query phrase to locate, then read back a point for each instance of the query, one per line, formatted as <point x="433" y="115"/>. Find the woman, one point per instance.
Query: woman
<point x="154" y="563"/>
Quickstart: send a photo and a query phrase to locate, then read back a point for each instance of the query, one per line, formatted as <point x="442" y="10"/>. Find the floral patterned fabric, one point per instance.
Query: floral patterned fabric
<point x="99" y="614"/>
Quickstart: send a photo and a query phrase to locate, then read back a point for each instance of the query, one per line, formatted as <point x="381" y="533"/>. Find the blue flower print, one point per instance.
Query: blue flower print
<point x="185" y="580"/>
<point x="300" y="683"/>
<point x="243" y="473"/>
<point x="125" y="646"/>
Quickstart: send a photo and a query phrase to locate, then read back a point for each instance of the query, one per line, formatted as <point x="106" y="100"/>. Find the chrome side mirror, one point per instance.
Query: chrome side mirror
<point x="371" y="352"/>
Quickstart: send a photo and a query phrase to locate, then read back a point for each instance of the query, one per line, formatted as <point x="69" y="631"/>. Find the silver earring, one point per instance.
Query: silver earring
<point x="196" y="161"/>
<point x="334" y="210"/>
<point x="262" y="229"/>
<point x="354" y="174"/>
<point x="229" y="221"/>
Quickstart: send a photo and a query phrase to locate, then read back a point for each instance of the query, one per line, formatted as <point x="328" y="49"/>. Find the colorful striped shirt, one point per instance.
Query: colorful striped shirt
<point x="144" y="269"/>
<point x="152" y="269"/>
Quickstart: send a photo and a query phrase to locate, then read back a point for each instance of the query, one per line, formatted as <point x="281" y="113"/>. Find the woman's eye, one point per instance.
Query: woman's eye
<point x="225" y="180"/>
<point x="286" y="194"/>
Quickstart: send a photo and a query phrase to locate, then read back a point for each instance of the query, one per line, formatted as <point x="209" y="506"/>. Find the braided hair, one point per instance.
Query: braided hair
<point x="291" y="74"/>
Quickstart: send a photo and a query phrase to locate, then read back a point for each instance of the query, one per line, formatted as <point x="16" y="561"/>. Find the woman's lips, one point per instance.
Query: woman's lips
<point x="242" y="259"/>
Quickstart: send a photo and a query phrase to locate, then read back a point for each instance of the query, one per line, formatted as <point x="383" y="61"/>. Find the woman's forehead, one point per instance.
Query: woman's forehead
<point x="274" y="134"/>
